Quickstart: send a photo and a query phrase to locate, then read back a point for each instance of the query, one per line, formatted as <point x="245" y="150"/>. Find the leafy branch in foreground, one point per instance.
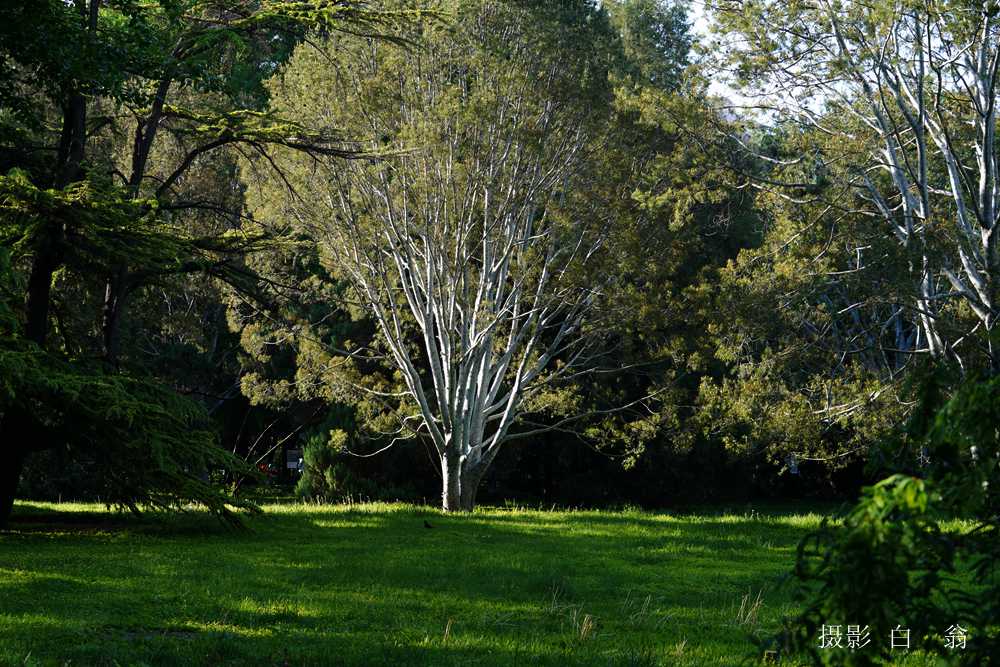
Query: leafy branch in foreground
<point x="919" y="550"/>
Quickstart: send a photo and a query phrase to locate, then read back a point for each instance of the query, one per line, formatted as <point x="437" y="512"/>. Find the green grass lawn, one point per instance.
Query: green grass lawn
<point x="370" y="585"/>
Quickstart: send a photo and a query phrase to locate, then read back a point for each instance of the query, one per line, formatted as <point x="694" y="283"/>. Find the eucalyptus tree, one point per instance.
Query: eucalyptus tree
<point x="904" y="95"/>
<point x="470" y="242"/>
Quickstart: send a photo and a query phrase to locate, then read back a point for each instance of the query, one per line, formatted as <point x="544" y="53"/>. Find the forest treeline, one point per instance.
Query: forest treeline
<point x="531" y="249"/>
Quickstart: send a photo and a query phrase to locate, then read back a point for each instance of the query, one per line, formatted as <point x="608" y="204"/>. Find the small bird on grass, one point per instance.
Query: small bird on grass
<point x="427" y="524"/>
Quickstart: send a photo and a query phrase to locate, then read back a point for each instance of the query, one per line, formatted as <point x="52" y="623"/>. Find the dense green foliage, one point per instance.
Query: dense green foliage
<point x="655" y="40"/>
<point x="142" y="443"/>
<point x="116" y="188"/>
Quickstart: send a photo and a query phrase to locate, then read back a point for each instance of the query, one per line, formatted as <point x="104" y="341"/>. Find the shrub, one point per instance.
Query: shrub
<point x="919" y="551"/>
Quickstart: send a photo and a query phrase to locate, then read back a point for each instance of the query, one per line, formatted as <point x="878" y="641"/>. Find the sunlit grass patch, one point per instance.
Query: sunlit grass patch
<point x="367" y="584"/>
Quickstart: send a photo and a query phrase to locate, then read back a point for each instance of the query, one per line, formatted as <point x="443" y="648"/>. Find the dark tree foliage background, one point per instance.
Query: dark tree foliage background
<point x="152" y="343"/>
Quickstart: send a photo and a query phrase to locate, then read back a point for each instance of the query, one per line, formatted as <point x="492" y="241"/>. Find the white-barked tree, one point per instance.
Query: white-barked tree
<point x="466" y="239"/>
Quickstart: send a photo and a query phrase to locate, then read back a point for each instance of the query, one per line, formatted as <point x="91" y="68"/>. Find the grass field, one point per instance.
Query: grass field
<point x="371" y="585"/>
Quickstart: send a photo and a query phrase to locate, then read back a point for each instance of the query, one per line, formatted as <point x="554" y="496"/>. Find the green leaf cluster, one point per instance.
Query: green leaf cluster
<point x="919" y="549"/>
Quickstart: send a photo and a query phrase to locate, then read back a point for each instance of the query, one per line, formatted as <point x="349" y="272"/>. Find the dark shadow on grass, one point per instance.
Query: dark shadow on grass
<point x="77" y="522"/>
<point x="30" y="519"/>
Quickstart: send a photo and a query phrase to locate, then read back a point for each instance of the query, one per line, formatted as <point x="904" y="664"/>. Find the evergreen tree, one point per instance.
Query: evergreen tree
<point x="115" y="114"/>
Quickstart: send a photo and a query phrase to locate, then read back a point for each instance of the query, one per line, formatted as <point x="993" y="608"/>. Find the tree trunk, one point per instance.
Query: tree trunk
<point x="49" y="255"/>
<point x="114" y="304"/>
<point x="460" y="483"/>
<point x="39" y="294"/>
<point x="10" y="475"/>
<point x="451" y="479"/>
<point x="470" y="486"/>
